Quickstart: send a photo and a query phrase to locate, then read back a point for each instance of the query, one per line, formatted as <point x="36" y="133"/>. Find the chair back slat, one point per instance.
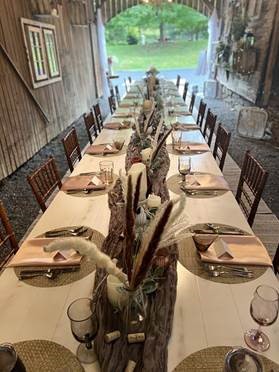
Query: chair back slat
<point x="44" y="181"/>
<point x="178" y="78"/>
<point x="192" y="102"/>
<point x="112" y="105"/>
<point x="201" y="113"/>
<point x="250" y="187"/>
<point x="221" y="145"/>
<point x="8" y="243"/>
<point x="90" y="125"/>
<point x="71" y="147"/>
<point x="209" y="126"/>
<point x="185" y="91"/>
<point x="276" y="261"/>
<point x="98" y="116"/>
<point x="117" y="94"/>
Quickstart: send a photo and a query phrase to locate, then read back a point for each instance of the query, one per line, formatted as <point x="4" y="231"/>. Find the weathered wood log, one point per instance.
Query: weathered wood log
<point x="152" y="354"/>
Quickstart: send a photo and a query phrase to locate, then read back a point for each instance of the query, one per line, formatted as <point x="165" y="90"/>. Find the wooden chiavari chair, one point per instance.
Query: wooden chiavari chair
<point x="178" y="81"/>
<point x="44" y="181"/>
<point x="250" y="187"/>
<point x="201" y="113"/>
<point x="71" y="147"/>
<point x="90" y="125"/>
<point x="126" y="85"/>
<point x="130" y="79"/>
<point x="117" y="94"/>
<point x="221" y="145"/>
<point x="192" y="102"/>
<point x="185" y="91"/>
<point x="276" y="261"/>
<point x="209" y="126"/>
<point x="112" y="105"/>
<point x="98" y="116"/>
<point x="8" y="243"/>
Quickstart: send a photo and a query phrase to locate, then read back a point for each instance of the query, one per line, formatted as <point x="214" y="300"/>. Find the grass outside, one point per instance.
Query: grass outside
<point x="172" y="55"/>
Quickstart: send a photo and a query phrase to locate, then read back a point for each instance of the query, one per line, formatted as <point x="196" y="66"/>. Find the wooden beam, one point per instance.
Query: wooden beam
<point x="271" y="58"/>
<point x="21" y="78"/>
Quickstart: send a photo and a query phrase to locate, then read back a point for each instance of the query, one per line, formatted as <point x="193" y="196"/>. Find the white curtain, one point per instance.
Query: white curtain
<point x="213" y="36"/>
<point x="102" y="52"/>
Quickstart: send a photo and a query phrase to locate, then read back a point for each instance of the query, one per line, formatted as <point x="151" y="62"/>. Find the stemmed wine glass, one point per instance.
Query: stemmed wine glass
<point x="264" y="310"/>
<point x="84" y="326"/>
<point x="184" y="167"/>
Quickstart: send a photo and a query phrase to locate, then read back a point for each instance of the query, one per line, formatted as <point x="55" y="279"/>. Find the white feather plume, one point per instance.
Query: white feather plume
<point x="90" y="250"/>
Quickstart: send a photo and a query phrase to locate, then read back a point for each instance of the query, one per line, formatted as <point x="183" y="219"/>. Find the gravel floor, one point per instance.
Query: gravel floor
<point x="15" y="191"/>
<point x="266" y="151"/>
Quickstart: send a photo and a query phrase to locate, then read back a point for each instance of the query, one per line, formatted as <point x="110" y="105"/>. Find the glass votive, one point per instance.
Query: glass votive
<point x="106" y="170"/>
<point x="9" y="360"/>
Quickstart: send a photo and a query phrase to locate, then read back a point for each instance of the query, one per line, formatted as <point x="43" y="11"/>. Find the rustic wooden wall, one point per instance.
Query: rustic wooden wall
<point x="252" y="87"/>
<point x="23" y="130"/>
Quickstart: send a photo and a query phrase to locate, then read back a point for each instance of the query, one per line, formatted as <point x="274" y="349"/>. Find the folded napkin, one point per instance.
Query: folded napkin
<point x="132" y="96"/>
<point x="181" y="113"/>
<point x="122" y="115"/>
<point x="244" y="250"/>
<point x="186" y="147"/>
<point x="31" y="253"/>
<point x="206" y="182"/>
<point x="105" y="148"/>
<point x="126" y="104"/>
<point x="116" y="126"/>
<point x="76" y="183"/>
<point x="185" y="127"/>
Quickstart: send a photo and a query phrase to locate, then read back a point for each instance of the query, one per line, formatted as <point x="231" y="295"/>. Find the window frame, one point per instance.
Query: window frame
<point x="42" y="29"/>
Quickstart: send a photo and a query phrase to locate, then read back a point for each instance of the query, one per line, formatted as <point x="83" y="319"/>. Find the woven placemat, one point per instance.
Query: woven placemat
<point x="174" y="186"/>
<point x="86" y="268"/>
<point x="47" y="356"/>
<point x="97" y="192"/>
<point x="172" y="151"/>
<point x="190" y="259"/>
<point x="212" y="359"/>
<point x="121" y="152"/>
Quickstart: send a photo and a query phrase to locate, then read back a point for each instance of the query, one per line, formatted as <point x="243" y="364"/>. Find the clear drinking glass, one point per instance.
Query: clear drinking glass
<point x="106" y="170"/>
<point x="84" y="326"/>
<point x="184" y="167"/>
<point x="264" y="310"/>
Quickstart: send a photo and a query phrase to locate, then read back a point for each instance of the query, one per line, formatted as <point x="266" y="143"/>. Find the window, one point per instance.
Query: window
<point x="41" y="48"/>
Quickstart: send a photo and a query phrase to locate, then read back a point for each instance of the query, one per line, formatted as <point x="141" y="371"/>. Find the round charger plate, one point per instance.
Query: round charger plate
<point x="212" y="359"/>
<point x="174" y="186"/>
<point x="98" y="192"/>
<point x="121" y="152"/>
<point x="86" y="267"/>
<point x="47" y="356"/>
<point x="190" y="259"/>
<point x="188" y="153"/>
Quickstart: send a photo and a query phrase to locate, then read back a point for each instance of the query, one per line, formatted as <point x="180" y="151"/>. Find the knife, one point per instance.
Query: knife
<point x="220" y="232"/>
<point x="69" y="269"/>
<point x="58" y="232"/>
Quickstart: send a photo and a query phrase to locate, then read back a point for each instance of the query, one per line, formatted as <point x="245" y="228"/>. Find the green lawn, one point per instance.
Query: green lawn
<point x="180" y="54"/>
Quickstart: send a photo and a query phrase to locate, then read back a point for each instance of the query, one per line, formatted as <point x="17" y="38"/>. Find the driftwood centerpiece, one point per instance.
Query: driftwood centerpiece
<point x="158" y="176"/>
<point x="148" y="356"/>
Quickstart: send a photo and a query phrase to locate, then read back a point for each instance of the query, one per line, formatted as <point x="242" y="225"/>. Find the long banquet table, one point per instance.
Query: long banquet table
<point x="206" y="313"/>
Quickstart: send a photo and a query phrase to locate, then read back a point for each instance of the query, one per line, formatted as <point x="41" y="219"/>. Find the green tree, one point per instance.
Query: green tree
<point x="156" y="18"/>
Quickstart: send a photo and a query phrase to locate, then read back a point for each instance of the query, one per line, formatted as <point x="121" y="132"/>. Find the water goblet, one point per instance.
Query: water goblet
<point x="106" y="170"/>
<point x="264" y="310"/>
<point x="84" y="326"/>
<point x="184" y="168"/>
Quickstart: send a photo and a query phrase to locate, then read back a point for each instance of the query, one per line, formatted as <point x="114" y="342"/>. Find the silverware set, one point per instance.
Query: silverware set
<point x="219" y="230"/>
<point x="200" y="192"/>
<point x="77" y="231"/>
<point x="48" y="273"/>
<point x="228" y="271"/>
